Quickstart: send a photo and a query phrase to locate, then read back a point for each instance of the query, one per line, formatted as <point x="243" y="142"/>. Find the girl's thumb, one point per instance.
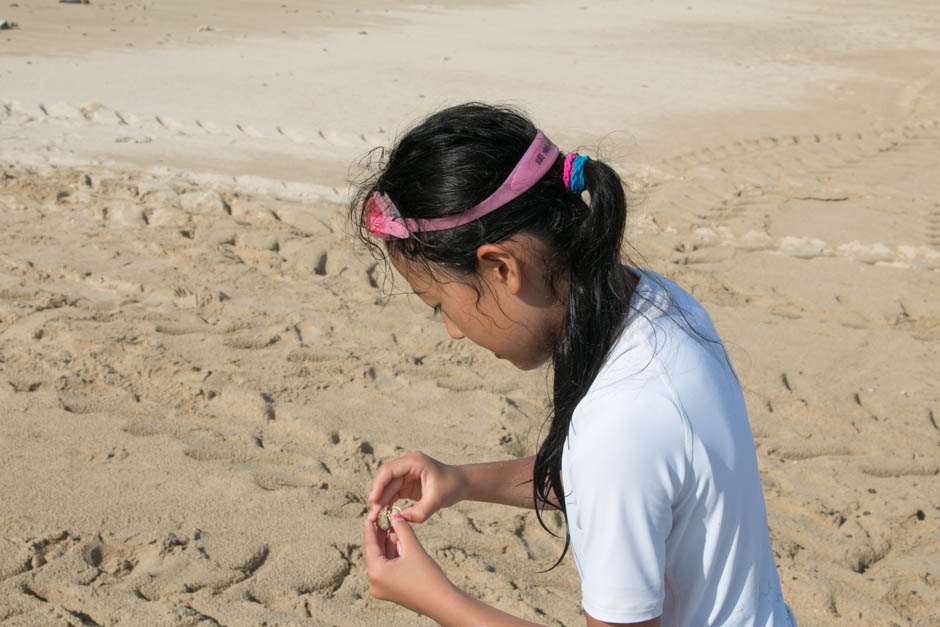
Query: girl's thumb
<point x="406" y="535"/>
<point x="415" y="513"/>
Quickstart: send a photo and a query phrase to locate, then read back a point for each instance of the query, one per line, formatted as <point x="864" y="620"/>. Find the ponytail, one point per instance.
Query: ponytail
<point x="599" y="291"/>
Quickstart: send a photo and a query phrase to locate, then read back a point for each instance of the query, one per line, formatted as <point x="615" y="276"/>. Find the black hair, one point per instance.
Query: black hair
<point x="452" y="161"/>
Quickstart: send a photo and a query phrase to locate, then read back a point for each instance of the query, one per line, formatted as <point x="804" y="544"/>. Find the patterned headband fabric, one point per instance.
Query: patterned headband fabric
<point x="384" y="220"/>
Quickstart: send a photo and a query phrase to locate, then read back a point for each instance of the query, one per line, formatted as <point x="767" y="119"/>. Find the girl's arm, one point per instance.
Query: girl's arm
<point x="461" y="610"/>
<point x="593" y="622"/>
<point x="464" y="611"/>
<point x="505" y="482"/>
<point x="434" y="485"/>
<point x="401" y="571"/>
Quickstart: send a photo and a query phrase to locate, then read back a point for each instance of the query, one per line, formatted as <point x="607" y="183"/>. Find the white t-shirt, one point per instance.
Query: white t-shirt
<point x="665" y="509"/>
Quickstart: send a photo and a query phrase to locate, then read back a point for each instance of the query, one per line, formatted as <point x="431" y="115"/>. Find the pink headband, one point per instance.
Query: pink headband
<point x="384" y="220"/>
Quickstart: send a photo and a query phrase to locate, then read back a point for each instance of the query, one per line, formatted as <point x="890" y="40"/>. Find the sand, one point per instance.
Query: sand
<point x="199" y="372"/>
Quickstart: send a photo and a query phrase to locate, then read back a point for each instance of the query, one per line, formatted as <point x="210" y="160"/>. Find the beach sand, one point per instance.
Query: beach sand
<point x="200" y="372"/>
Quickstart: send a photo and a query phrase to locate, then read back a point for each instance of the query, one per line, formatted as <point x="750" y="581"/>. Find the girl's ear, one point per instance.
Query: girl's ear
<point x="500" y="265"/>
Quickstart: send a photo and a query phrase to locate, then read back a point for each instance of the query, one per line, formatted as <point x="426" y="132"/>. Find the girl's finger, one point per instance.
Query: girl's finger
<point x="390" y="493"/>
<point x="404" y="534"/>
<point x="389" y="471"/>
<point x="388" y="496"/>
<point x="391" y="551"/>
<point x="396" y="545"/>
<point x="415" y="513"/>
<point x="373" y="544"/>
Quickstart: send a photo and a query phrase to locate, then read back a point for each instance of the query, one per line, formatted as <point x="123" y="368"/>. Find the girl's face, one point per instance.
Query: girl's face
<point x="515" y="314"/>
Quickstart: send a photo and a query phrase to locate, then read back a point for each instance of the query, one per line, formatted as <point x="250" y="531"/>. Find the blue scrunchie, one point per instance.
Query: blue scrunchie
<point x="577" y="174"/>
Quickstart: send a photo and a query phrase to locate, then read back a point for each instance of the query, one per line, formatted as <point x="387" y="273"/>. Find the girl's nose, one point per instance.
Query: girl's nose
<point x="452" y="329"/>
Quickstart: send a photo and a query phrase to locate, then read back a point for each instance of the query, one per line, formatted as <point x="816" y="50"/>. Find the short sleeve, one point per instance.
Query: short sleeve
<point x="626" y="464"/>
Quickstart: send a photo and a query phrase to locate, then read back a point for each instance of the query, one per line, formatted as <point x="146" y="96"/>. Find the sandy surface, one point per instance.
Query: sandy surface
<point x="198" y="375"/>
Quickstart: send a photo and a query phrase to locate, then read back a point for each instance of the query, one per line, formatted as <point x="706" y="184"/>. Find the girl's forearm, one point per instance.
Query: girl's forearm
<point x="457" y="609"/>
<point x="505" y="482"/>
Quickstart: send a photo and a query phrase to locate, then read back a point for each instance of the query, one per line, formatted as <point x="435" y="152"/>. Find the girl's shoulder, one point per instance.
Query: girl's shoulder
<point x="657" y="298"/>
<point x="667" y="364"/>
<point x="667" y="335"/>
<point x="632" y="418"/>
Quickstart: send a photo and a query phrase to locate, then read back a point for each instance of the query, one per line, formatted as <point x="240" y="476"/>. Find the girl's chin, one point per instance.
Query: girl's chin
<point x="526" y="365"/>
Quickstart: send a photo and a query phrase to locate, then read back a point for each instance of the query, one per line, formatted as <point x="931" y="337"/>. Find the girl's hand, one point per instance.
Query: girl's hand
<point x="417" y="477"/>
<point x="401" y="571"/>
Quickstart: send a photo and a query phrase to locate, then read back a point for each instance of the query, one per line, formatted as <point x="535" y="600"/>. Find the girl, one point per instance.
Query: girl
<point x="649" y="454"/>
